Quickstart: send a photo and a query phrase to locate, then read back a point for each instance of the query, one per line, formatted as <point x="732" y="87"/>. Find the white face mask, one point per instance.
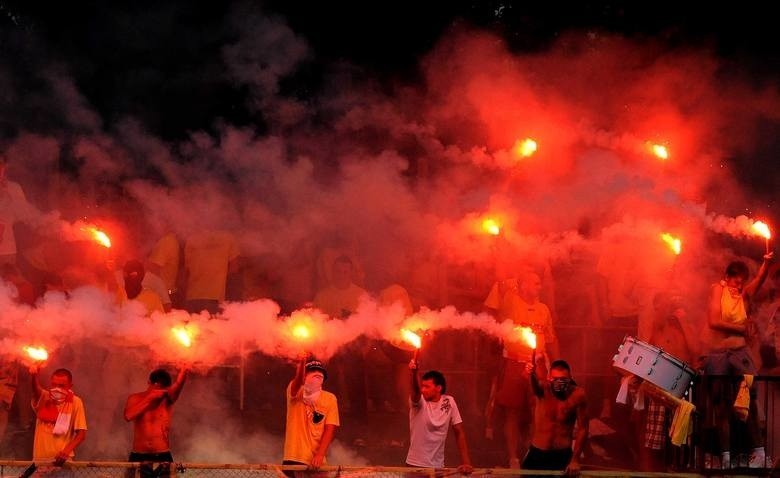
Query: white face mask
<point x="58" y="395"/>
<point x="313" y="383"/>
<point x="312" y="388"/>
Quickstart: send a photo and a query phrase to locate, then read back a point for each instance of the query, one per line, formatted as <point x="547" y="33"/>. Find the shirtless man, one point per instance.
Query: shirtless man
<point x="561" y="404"/>
<point x="151" y="411"/>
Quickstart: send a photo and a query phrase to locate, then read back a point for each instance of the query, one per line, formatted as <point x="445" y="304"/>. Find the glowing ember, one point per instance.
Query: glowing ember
<point x="301" y="332"/>
<point x="39" y="354"/>
<point x="761" y="228"/>
<point x="491" y="226"/>
<point x="183" y="336"/>
<point x="411" y="338"/>
<point x="99" y="236"/>
<point x="528" y="336"/>
<point x="525" y="148"/>
<point x="660" y="151"/>
<point x="674" y="243"/>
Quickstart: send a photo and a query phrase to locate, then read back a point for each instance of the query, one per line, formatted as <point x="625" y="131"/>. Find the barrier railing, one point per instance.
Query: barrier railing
<point x="123" y="469"/>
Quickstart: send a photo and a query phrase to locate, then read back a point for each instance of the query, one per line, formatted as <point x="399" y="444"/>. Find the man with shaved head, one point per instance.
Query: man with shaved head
<point x="513" y="395"/>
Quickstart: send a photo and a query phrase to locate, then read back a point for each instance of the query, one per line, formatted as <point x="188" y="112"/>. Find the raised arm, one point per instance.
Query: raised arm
<point x="415" y="393"/>
<point x="137" y="404"/>
<point x="300" y="375"/>
<point x="37" y="390"/>
<point x="714" y="314"/>
<point x="175" y="389"/>
<point x="538" y="374"/>
<point x="753" y="286"/>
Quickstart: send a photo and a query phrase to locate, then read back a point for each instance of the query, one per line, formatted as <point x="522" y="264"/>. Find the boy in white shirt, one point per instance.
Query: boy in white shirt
<point x="430" y="416"/>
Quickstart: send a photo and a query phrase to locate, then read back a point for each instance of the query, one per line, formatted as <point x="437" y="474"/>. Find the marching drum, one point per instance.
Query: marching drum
<point x="652" y="364"/>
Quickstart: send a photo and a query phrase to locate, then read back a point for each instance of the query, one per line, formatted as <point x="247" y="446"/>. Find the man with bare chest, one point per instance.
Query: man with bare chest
<point x="151" y="411"/>
<point x="560" y="405"/>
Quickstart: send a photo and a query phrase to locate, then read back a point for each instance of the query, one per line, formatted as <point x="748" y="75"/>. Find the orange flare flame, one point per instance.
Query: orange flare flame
<point x="674" y="243"/>
<point x="301" y="332"/>
<point x="98" y="236"/>
<point x="762" y="229"/>
<point x="412" y="338"/>
<point x="528" y="336"/>
<point x="491" y="226"/>
<point x="660" y="151"/>
<point x="39" y="354"/>
<point x="525" y="148"/>
<point x="183" y="336"/>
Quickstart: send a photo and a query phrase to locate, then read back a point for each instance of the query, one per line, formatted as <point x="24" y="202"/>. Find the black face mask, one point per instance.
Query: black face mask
<point x="560" y="387"/>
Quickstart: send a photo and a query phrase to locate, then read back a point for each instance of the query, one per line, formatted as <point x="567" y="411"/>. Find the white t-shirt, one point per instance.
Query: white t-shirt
<point x="429" y="423"/>
<point x="13" y="208"/>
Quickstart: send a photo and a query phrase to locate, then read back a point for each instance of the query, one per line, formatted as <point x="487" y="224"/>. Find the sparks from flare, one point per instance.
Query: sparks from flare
<point x="674" y="243"/>
<point x="39" y="354"/>
<point x="491" y="226"/>
<point x="183" y="336"/>
<point x="528" y="336"/>
<point x="99" y="236"/>
<point x="525" y="148"/>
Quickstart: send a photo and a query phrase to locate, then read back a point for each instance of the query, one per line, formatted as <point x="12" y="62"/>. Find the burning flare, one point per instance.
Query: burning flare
<point x="660" y="151"/>
<point x="301" y="332"/>
<point x="411" y="338"/>
<point x="183" y="336"/>
<point x="525" y="148"/>
<point x="761" y="228"/>
<point x="98" y="236"/>
<point x="528" y="336"/>
<point x="674" y="243"/>
<point x="39" y="354"/>
<point x="491" y="226"/>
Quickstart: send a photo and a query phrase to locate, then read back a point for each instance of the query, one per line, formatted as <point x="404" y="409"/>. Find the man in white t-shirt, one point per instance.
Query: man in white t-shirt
<point x="430" y="416"/>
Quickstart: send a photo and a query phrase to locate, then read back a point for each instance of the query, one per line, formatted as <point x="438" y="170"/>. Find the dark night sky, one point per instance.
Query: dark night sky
<point x="151" y="59"/>
<point x="129" y="57"/>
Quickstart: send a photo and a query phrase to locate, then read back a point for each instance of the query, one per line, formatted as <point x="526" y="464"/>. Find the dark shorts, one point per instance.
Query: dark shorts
<point x="150" y="471"/>
<point x="730" y="362"/>
<point x="514" y="389"/>
<point x="537" y="459"/>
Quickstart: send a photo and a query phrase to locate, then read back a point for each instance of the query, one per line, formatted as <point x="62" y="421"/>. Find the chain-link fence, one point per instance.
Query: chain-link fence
<point x="14" y="469"/>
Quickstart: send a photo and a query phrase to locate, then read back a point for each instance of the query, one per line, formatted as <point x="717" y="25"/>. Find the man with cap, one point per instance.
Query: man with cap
<point x="312" y="416"/>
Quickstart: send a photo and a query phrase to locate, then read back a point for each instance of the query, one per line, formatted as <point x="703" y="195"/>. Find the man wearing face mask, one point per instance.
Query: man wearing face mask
<point x="61" y="423"/>
<point x="560" y="405"/>
<point x="312" y="416"/>
<point x="430" y="417"/>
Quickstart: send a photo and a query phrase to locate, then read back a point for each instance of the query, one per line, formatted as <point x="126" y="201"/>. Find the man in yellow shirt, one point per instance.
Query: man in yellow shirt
<point x="61" y="423"/>
<point x="164" y="260"/>
<point x="132" y="288"/>
<point x="312" y="416"/>
<point x="513" y="393"/>
<point x="209" y="257"/>
<point x="340" y="299"/>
